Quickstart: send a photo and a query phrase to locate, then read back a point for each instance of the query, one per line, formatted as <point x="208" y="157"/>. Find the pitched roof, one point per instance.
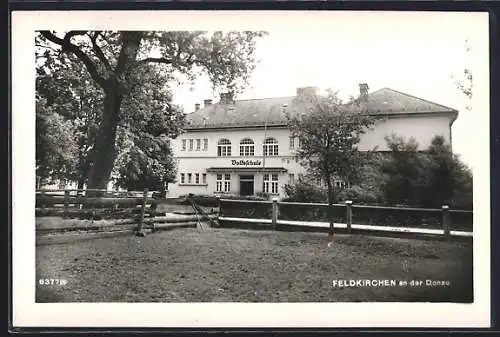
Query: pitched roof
<point x="254" y="112"/>
<point x="390" y="101"/>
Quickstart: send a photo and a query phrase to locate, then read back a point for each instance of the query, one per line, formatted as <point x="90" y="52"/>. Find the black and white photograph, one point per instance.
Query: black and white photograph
<point x="266" y="168"/>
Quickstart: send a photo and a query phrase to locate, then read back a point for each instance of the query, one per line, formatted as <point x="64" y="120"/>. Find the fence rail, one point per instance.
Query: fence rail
<point x="132" y="210"/>
<point x="348" y="216"/>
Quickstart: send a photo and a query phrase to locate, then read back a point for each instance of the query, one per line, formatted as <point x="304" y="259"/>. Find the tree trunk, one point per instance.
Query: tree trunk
<point x="104" y="156"/>
<point x="105" y="151"/>
<point x="81" y="185"/>
<point x="330" y="206"/>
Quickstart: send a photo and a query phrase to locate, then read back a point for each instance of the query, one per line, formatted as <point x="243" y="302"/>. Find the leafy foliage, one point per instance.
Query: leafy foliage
<point x="127" y="67"/>
<point x="55" y="147"/>
<point x="430" y="178"/>
<point x="402" y="176"/>
<point x="305" y="189"/>
<point x="329" y="133"/>
<point x="407" y="172"/>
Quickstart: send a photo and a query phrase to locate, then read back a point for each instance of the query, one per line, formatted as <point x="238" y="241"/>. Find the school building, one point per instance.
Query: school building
<point x="244" y="147"/>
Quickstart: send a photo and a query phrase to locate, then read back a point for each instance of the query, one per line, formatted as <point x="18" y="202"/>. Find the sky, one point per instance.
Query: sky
<point x="418" y="57"/>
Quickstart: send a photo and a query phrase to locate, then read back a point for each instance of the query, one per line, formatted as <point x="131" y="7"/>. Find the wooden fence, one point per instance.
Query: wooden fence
<point x="348" y="217"/>
<point x="134" y="210"/>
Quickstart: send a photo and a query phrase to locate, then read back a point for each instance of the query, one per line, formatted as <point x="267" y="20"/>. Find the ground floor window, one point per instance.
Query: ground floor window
<point x="197" y="178"/>
<point x="340" y="184"/>
<point x="190" y="178"/>
<point x="270" y="183"/>
<point x="204" y="178"/>
<point x="291" y="178"/>
<point x="223" y="183"/>
<point x="183" y="178"/>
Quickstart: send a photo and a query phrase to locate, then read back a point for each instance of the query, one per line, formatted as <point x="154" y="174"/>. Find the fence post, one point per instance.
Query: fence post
<point x="348" y="214"/>
<point x="66" y="204"/>
<point x="219" y="205"/>
<point x="141" y="215"/>
<point x="274" y="218"/>
<point x="445" y="220"/>
<point x="42" y="203"/>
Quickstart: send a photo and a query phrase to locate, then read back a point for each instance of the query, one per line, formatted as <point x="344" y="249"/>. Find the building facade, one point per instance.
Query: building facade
<point x="245" y="147"/>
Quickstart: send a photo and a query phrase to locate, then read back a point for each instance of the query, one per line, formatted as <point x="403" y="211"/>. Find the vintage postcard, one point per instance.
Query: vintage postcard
<point x="250" y="169"/>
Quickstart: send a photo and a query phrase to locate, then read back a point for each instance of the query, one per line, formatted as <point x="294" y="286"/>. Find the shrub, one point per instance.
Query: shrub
<point x="358" y="195"/>
<point x="305" y="190"/>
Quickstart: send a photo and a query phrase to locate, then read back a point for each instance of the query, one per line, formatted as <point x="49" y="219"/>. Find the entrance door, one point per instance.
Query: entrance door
<point x="246" y="184"/>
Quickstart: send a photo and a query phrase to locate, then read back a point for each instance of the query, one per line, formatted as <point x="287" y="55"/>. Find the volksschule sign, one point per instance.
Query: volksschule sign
<point x="247" y="162"/>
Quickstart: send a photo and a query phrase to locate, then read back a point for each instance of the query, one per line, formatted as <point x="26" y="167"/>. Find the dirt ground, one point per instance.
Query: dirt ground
<point x="221" y="265"/>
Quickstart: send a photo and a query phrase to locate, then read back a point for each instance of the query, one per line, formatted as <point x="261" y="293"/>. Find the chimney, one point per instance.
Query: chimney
<point x="226" y="98"/>
<point x="363" y="91"/>
<point x="197" y="107"/>
<point x="306" y="91"/>
<point x="207" y="102"/>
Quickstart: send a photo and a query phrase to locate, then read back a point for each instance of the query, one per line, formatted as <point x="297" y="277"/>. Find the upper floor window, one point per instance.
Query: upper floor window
<point x="205" y="144"/>
<point x="184" y="145"/>
<point x="270" y="147"/>
<point x="247" y="147"/>
<point x="224" y="148"/>
<point x="198" y="144"/>
<point x="191" y="142"/>
<point x="292" y="142"/>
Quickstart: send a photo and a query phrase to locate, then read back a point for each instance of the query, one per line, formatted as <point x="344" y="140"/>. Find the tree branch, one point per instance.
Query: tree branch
<point x="70" y="34"/>
<point x="67" y="46"/>
<point x="98" y="51"/>
<point x="155" y="60"/>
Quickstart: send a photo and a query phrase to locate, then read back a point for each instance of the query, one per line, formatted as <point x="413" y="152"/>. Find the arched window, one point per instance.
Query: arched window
<point x="271" y="147"/>
<point x="247" y="147"/>
<point x="224" y="148"/>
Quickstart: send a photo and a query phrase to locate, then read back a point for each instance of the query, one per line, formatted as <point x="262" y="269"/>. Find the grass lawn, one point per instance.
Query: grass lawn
<point x="221" y="265"/>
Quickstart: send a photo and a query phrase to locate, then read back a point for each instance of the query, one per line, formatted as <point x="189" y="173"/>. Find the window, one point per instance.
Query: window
<point x="223" y="183"/>
<point x="183" y="178"/>
<point x="291" y="178"/>
<point x="265" y="188"/>
<point x="274" y="184"/>
<point x="204" y="178"/>
<point x="224" y="148"/>
<point x="247" y="147"/>
<point x="198" y="144"/>
<point x="191" y="144"/>
<point x="205" y="144"/>
<point x="227" y="183"/>
<point x="183" y="145"/>
<point x="197" y="178"/>
<point x="270" y="147"/>
<point x="189" y="178"/>
<point x="342" y="184"/>
<point x="219" y="183"/>
<point x="294" y="142"/>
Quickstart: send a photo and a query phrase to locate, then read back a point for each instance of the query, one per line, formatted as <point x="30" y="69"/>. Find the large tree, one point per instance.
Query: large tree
<point x="329" y="132"/>
<point x="113" y="59"/>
